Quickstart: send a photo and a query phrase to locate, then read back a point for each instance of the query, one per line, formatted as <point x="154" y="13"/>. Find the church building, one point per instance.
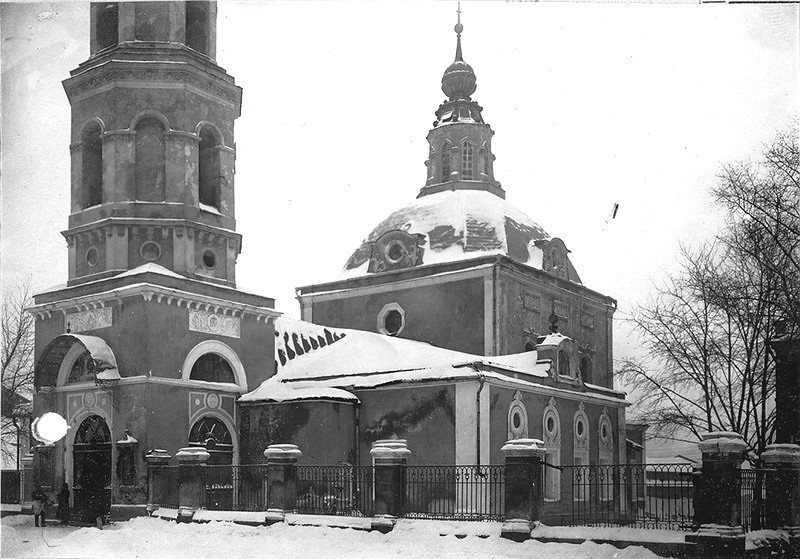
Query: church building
<point x="457" y="324"/>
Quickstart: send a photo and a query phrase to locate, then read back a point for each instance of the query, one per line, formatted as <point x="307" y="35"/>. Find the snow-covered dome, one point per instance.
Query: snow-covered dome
<point x="458" y="225"/>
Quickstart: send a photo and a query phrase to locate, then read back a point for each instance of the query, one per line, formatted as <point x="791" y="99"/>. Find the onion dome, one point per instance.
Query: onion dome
<point x="458" y="81"/>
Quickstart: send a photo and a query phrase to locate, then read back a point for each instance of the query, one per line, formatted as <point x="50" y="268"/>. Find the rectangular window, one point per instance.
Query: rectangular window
<point x="580" y="477"/>
<point x="552" y="476"/>
<point x="606" y="479"/>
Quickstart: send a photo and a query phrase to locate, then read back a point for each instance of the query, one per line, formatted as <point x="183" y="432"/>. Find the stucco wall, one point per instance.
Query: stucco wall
<point x="448" y="314"/>
<point x="424" y="416"/>
<point x="324" y="431"/>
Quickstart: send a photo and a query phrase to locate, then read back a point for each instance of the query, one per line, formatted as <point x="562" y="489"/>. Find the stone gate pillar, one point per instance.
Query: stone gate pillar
<point x="524" y="487"/>
<point x="192" y="489"/>
<point x="281" y="487"/>
<point x="787" y="389"/>
<point x="783" y="489"/>
<point x="27" y="483"/>
<point x="721" y="533"/>
<point x="389" y="457"/>
<point x="156" y="484"/>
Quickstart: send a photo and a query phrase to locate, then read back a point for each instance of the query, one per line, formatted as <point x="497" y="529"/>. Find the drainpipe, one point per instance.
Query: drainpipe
<point x="356" y="442"/>
<point x="481" y="380"/>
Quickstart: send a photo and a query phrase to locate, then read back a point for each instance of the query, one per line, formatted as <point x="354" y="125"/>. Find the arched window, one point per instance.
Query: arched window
<point x="445" y="162"/>
<point x="82" y="370"/>
<point x="466" y="161"/>
<point x="212" y="367"/>
<point x="208" y="168"/>
<point x="107" y="27"/>
<point x="605" y="437"/>
<point x="197" y="26"/>
<point x="93" y="430"/>
<point x="564" y="364"/>
<point x="212" y="434"/>
<point x="485" y="159"/>
<point x="92" y="166"/>
<point x="517" y="418"/>
<point x="580" y="453"/>
<point x="551" y="433"/>
<point x="150" y="161"/>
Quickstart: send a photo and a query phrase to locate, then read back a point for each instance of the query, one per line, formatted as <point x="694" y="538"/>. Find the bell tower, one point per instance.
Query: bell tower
<point x="152" y="145"/>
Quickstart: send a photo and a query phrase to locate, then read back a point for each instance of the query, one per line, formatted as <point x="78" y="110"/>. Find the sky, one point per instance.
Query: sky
<point x="591" y="104"/>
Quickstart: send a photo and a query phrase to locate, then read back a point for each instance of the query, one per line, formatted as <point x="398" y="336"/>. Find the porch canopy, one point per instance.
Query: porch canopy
<point x="102" y="360"/>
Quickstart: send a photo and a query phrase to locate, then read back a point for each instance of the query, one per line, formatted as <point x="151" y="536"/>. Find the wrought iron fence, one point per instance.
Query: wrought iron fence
<point x="341" y="490"/>
<point x="753" y="492"/>
<point x="167" y="487"/>
<point x="636" y="495"/>
<point x="229" y="487"/>
<point x="455" y="492"/>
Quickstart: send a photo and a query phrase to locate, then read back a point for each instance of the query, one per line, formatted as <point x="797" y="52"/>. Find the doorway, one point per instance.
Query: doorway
<point x="91" y="469"/>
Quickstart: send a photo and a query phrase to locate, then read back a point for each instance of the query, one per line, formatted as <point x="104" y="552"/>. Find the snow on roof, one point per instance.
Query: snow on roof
<point x="273" y="390"/>
<point x="554" y="338"/>
<point x="458" y="225"/>
<point x="358" y="359"/>
<point x="151" y="268"/>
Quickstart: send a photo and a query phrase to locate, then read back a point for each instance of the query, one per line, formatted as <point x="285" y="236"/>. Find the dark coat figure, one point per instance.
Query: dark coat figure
<point x="63" y="504"/>
<point x="40" y="499"/>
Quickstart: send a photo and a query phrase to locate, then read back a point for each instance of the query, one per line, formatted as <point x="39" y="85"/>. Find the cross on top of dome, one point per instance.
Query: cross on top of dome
<point x="458" y="81"/>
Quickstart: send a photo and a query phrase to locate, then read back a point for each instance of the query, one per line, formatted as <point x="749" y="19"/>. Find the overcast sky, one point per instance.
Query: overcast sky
<point x="592" y="104"/>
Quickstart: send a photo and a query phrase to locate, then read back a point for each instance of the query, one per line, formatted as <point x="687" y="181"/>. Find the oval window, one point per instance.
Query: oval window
<point x="209" y="259"/>
<point x="551" y="424"/>
<point x="395" y="252"/>
<point x="580" y="428"/>
<point x="516" y="419"/>
<point x="92" y="256"/>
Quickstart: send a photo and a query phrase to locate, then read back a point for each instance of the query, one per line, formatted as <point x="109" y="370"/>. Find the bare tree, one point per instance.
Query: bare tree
<point x="706" y="332"/>
<point x="764" y="198"/>
<point x="17" y="370"/>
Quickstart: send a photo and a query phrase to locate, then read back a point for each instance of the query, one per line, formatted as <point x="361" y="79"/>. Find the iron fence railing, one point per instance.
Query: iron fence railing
<point x="753" y="490"/>
<point x="636" y="495"/>
<point x="455" y="492"/>
<point x="227" y="487"/>
<point x="341" y="490"/>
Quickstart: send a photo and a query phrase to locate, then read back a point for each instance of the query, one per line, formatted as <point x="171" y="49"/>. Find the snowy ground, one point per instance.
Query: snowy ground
<point x="152" y="537"/>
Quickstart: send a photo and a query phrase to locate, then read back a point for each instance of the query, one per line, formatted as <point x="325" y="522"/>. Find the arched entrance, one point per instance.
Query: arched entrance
<point x="91" y="469"/>
<point x="213" y="435"/>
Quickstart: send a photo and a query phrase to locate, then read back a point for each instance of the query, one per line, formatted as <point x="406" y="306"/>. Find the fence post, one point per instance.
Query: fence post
<point x="389" y="458"/>
<point x="523" y="494"/>
<point x="27" y="485"/>
<point x="721" y="533"/>
<point x="783" y="489"/>
<point x="155" y="478"/>
<point x="191" y="490"/>
<point x="281" y="490"/>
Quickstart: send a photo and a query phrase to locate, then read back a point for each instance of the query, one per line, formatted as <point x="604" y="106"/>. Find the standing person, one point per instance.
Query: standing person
<point x="63" y="504"/>
<point x="40" y="499"/>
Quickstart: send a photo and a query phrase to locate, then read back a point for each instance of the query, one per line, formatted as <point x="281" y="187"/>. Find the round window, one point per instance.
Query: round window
<point x="209" y="259"/>
<point x="92" y="256"/>
<point x="150" y="251"/>
<point x="580" y="428"/>
<point x="393" y="322"/>
<point x="516" y="419"/>
<point x="395" y="252"/>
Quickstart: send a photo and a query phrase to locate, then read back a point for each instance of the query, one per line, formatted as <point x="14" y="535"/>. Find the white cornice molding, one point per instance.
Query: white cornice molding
<point x="143" y="379"/>
<point x="160" y="294"/>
